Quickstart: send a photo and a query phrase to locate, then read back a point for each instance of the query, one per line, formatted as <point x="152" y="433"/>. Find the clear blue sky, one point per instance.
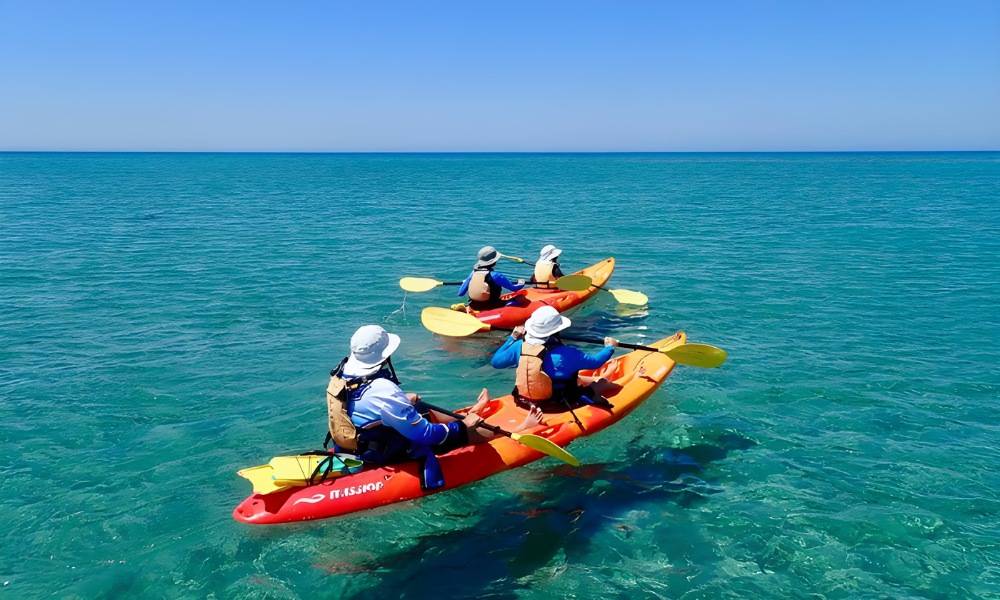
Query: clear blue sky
<point x="476" y="75"/>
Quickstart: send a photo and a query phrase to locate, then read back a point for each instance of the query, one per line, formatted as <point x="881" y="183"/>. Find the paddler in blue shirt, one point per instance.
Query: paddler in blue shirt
<point x="371" y="416"/>
<point x="546" y="369"/>
<point x="484" y="285"/>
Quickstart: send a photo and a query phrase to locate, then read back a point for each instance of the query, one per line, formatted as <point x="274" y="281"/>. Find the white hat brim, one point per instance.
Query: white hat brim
<point x="356" y="366"/>
<point x="530" y="330"/>
<point x="550" y="255"/>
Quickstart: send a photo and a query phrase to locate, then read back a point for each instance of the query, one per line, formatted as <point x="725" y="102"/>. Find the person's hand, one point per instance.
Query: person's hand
<point x="471" y="420"/>
<point x="610" y="341"/>
<point x="520" y="282"/>
<point x="518" y="333"/>
<point x="413" y="398"/>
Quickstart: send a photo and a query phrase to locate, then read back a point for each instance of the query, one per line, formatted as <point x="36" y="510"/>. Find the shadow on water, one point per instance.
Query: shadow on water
<point x="562" y="514"/>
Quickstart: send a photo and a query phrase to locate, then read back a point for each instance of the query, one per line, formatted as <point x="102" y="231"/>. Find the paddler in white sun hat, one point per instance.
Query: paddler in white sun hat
<point x="547" y="268"/>
<point x="547" y="370"/>
<point x="370" y="415"/>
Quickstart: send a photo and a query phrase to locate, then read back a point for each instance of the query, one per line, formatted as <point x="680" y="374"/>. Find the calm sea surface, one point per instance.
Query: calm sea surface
<point x="166" y="319"/>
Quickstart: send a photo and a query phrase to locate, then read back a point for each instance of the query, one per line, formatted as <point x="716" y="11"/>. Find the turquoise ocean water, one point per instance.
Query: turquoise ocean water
<point x="166" y="319"/>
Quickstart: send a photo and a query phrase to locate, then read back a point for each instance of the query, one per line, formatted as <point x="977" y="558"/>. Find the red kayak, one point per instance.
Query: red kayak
<point x="508" y="317"/>
<point x="636" y="376"/>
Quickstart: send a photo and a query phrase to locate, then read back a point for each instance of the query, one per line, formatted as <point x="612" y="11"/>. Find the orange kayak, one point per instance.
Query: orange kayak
<point x="508" y="317"/>
<point x="636" y="376"/>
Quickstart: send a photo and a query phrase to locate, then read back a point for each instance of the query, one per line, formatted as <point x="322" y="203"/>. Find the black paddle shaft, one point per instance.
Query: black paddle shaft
<point x="593" y="341"/>
<point x="454" y="415"/>
<point x="620" y="344"/>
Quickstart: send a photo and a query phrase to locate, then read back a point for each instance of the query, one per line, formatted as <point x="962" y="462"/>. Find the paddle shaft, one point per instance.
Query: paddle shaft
<point x="593" y="341"/>
<point x="454" y="415"/>
<point x="527" y="284"/>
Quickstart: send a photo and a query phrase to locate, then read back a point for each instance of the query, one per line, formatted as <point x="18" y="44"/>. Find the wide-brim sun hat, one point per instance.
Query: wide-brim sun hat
<point x="370" y="347"/>
<point x="487" y="256"/>
<point x="549" y="252"/>
<point x="545" y="322"/>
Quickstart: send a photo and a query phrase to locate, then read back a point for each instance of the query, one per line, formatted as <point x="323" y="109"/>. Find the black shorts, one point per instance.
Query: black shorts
<point x="486" y="304"/>
<point x="454" y="440"/>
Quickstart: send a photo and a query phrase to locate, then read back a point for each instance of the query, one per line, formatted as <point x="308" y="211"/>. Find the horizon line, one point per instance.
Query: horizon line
<point x="401" y="152"/>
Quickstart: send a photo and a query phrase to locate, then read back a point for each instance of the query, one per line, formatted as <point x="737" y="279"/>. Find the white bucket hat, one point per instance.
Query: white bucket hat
<point x="548" y="253"/>
<point x="370" y="347"/>
<point x="488" y="255"/>
<point x="544" y="322"/>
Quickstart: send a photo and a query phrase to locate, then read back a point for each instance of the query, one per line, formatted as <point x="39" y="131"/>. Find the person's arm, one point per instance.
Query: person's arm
<point x="501" y="280"/>
<point x="399" y="413"/>
<point x="509" y="354"/>
<point x="575" y="359"/>
<point x="465" y="286"/>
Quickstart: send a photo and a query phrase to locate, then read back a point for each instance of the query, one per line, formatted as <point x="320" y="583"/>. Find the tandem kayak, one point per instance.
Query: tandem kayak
<point x="511" y="316"/>
<point x="637" y="373"/>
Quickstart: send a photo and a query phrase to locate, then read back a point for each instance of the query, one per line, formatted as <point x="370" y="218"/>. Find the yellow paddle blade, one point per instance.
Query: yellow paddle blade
<point x="573" y="283"/>
<point x="443" y="321"/>
<point x="630" y="297"/>
<point x="696" y="355"/>
<point x="513" y="258"/>
<point x="293" y="468"/>
<point x="545" y="446"/>
<point x="262" y="478"/>
<point x="419" y="284"/>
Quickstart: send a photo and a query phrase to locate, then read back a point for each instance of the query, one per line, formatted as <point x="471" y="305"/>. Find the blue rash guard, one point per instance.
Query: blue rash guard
<point x="561" y="363"/>
<point x="382" y="400"/>
<point x="498" y="278"/>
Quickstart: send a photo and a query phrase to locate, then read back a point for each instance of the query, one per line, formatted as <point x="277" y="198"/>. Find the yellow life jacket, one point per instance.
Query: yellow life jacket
<point x="531" y="383"/>
<point x="479" y="287"/>
<point x="543" y="273"/>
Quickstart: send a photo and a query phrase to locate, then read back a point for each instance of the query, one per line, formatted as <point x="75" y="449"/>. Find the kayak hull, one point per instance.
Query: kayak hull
<point x="637" y="373"/>
<point x="508" y="317"/>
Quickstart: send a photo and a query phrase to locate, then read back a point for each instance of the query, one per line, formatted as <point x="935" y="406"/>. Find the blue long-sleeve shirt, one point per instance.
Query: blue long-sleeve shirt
<point x="560" y="363"/>
<point x="498" y="278"/>
<point x="383" y="400"/>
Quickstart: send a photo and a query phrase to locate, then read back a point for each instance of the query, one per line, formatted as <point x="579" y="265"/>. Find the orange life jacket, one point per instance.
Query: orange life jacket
<point x="531" y="383"/>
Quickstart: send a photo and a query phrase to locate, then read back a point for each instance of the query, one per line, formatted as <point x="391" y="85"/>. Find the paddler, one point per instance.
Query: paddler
<point x="547" y="370"/>
<point x="371" y="416"/>
<point x="547" y="267"/>
<point x="485" y="285"/>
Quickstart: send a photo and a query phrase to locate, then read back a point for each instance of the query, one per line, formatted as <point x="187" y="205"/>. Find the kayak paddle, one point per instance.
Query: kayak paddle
<point x="459" y="324"/>
<point x="302" y="467"/>
<point x="423" y="284"/>
<point x="531" y="441"/>
<point x="627" y="296"/>
<point x="518" y="260"/>
<point x="569" y="283"/>
<point x="262" y="478"/>
<point x="622" y="296"/>
<point x="284" y="472"/>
